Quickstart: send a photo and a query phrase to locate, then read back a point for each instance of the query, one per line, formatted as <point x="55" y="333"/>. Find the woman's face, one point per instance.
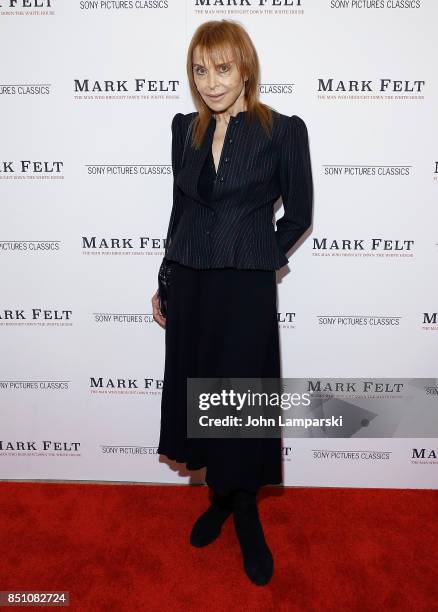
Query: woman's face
<point x="219" y="86"/>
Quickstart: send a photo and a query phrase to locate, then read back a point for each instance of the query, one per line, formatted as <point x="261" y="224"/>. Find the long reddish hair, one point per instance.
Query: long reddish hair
<point x="216" y="39"/>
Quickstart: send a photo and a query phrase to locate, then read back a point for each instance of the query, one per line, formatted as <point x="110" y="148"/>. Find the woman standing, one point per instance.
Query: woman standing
<point x="231" y="161"/>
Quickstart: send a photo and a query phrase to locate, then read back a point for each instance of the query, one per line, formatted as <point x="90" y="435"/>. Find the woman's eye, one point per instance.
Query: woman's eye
<point x="223" y="69"/>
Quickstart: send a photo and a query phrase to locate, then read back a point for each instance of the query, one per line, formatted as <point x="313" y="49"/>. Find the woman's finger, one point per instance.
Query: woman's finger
<point x="156" y="312"/>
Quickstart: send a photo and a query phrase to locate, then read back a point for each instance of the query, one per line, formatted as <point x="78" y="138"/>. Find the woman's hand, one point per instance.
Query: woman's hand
<point x="158" y="317"/>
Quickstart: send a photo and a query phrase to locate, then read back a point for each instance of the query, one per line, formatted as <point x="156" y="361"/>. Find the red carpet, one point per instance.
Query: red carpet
<point x="125" y="547"/>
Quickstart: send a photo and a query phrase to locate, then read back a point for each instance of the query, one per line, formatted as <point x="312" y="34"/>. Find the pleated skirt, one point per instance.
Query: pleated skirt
<point x="220" y="323"/>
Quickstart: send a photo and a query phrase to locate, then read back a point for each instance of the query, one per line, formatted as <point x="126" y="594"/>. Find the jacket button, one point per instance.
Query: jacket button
<point x="226" y="159"/>
<point x="221" y="179"/>
<point x="231" y="140"/>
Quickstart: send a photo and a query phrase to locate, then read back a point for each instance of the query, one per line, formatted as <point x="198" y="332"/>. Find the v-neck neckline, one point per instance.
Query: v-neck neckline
<point x="205" y="152"/>
<point x="212" y="162"/>
<point x="231" y="120"/>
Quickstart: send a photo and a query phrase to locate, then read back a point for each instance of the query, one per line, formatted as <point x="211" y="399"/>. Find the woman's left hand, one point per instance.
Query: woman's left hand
<point x="158" y="316"/>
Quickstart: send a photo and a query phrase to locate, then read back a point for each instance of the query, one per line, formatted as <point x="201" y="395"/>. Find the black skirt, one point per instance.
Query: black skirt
<point x="220" y="323"/>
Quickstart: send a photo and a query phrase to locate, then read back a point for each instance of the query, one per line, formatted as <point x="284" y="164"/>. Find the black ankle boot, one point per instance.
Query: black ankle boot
<point x="208" y="526"/>
<point x="257" y="557"/>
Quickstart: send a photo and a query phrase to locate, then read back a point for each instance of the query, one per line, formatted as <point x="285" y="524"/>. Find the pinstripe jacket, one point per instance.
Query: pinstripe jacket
<point x="235" y="227"/>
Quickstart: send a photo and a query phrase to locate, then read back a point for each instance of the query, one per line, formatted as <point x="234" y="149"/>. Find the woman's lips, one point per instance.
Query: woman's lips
<point x="216" y="97"/>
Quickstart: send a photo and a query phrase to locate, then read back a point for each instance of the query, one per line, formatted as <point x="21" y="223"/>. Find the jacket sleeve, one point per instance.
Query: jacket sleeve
<point x="177" y="147"/>
<point x="296" y="185"/>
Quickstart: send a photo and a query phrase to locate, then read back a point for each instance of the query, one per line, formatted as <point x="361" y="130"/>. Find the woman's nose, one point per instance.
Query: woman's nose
<point x="212" y="79"/>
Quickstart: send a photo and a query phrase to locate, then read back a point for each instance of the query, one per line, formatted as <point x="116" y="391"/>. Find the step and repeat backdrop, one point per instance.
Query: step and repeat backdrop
<point x="88" y="89"/>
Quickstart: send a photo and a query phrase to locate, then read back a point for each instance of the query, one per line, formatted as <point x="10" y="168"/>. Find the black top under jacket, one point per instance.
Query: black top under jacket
<point x="234" y="227"/>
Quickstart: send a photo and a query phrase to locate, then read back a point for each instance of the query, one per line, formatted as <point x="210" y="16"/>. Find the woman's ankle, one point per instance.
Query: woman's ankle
<point x="243" y="500"/>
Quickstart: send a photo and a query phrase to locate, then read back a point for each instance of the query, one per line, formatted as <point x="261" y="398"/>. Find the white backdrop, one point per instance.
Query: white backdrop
<point x="85" y="189"/>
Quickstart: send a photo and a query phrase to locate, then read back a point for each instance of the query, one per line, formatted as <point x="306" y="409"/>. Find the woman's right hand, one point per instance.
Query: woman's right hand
<point x="158" y="317"/>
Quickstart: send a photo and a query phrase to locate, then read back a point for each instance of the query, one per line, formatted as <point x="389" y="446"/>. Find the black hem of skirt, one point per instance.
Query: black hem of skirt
<point x="192" y="467"/>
